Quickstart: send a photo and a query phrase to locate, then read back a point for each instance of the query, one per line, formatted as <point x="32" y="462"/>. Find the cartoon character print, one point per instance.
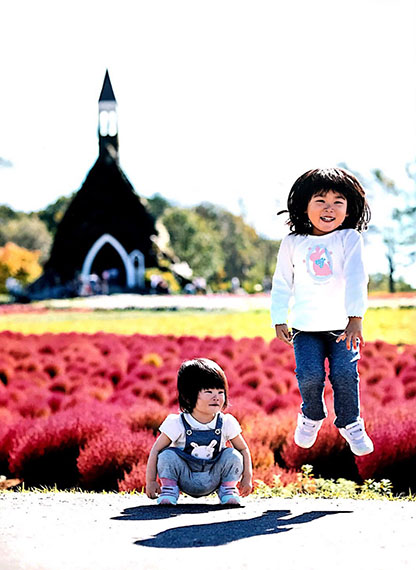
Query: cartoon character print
<point x="203" y="451"/>
<point x="319" y="263"/>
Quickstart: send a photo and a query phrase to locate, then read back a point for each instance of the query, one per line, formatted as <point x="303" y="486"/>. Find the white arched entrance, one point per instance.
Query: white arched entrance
<point x="128" y="261"/>
<point x="137" y="259"/>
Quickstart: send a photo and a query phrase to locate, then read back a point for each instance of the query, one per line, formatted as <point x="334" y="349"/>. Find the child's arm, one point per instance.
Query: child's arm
<point x="282" y="284"/>
<point x="152" y="486"/>
<point x="246" y="484"/>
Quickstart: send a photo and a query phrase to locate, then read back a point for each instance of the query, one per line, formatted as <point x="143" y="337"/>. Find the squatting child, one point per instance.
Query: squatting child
<point x="321" y="282"/>
<point x="190" y="454"/>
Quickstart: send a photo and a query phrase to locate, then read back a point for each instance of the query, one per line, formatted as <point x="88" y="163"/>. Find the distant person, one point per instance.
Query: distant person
<point x="320" y="269"/>
<point x="190" y="454"/>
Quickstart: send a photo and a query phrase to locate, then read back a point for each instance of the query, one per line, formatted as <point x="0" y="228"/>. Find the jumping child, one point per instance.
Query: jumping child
<point x="190" y="454"/>
<point x="320" y="277"/>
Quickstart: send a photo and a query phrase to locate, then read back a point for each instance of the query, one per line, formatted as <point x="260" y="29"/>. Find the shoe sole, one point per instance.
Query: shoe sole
<point x="231" y="503"/>
<point x="303" y="446"/>
<point x="167" y="502"/>
<point x="361" y="453"/>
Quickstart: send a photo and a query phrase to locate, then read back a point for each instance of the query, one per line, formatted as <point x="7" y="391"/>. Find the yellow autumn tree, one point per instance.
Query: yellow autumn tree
<point x="20" y="263"/>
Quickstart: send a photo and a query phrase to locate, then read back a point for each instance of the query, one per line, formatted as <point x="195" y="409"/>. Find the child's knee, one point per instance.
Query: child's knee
<point x="233" y="459"/>
<point x="168" y="463"/>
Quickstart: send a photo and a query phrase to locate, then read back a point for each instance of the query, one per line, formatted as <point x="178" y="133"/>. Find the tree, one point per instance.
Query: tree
<point x="54" y="213"/>
<point x="19" y="263"/>
<point x="29" y="232"/>
<point x="380" y="282"/>
<point x="399" y="233"/>
<point x="194" y="241"/>
<point x="157" y="205"/>
<point x="247" y="256"/>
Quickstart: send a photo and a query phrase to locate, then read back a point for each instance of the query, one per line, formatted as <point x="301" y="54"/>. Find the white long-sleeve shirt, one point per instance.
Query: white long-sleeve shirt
<point x="321" y="279"/>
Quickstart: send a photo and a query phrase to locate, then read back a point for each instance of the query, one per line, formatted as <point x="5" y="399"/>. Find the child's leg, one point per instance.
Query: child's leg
<point x="345" y="382"/>
<point x="343" y="364"/>
<point x="229" y="469"/>
<point x="169" y="468"/>
<point x="189" y="475"/>
<point x="310" y="354"/>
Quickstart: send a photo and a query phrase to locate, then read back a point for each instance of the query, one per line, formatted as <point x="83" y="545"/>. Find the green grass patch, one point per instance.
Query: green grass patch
<point x="395" y="325"/>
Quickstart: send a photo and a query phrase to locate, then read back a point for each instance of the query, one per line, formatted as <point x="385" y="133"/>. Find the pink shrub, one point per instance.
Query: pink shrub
<point x="408" y="375"/>
<point x="282" y="402"/>
<point x="393" y="434"/>
<point x="46" y="452"/>
<point x="148" y="417"/>
<point x="328" y="444"/>
<point x="132" y="381"/>
<point x="134" y="480"/>
<point x="104" y="460"/>
<point x="410" y="390"/>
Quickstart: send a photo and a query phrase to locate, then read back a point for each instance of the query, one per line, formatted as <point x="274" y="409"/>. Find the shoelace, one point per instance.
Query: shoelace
<point x="356" y="433"/>
<point x="307" y="426"/>
<point x="169" y="491"/>
<point x="228" y="491"/>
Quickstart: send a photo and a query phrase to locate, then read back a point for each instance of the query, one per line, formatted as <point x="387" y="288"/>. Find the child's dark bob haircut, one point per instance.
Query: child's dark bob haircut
<point x="196" y="375"/>
<point x="320" y="181"/>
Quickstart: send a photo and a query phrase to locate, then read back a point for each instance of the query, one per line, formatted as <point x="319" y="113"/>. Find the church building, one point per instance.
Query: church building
<point x="106" y="228"/>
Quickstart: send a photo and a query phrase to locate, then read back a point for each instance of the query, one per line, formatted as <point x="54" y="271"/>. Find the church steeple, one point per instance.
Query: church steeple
<point x="107" y="121"/>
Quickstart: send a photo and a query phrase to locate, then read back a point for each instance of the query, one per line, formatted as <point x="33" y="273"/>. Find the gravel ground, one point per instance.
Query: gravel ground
<point x="79" y="531"/>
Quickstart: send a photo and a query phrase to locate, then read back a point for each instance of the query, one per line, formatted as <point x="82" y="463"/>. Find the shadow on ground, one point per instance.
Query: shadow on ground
<point x="216" y="533"/>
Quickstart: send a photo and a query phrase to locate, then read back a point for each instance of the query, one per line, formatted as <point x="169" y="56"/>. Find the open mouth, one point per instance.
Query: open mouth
<point x="327" y="219"/>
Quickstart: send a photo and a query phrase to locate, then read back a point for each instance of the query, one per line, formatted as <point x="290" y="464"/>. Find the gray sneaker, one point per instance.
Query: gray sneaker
<point x="306" y="431"/>
<point x="357" y="438"/>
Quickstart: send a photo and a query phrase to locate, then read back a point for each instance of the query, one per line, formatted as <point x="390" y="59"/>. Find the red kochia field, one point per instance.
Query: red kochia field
<point x="80" y="410"/>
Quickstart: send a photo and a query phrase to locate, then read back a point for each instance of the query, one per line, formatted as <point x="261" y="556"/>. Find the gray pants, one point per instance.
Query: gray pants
<point x="194" y="481"/>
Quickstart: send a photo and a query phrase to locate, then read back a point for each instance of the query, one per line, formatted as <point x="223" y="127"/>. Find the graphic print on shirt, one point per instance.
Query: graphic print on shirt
<point x="319" y="263"/>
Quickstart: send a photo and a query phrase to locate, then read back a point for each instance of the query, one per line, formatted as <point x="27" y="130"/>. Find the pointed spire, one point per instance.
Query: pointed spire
<point x="107" y="93"/>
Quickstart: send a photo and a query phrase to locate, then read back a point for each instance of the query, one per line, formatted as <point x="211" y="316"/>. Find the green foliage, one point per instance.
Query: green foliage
<point x="7" y="214"/>
<point x="157" y="205"/>
<point x="399" y="232"/>
<point x="29" y="232"/>
<point x="219" y="245"/>
<point x="54" y="213"/>
<point x="317" y="488"/>
<point x="193" y="240"/>
<point x="379" y="282"/>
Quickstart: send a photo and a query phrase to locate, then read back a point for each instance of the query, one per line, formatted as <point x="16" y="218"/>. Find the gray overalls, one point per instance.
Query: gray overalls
<point x="201" y="466"/>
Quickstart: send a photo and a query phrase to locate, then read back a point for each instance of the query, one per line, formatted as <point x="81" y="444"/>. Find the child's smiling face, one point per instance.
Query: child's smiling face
<point x="326" y="212"/>
<point x="209" y="402"/>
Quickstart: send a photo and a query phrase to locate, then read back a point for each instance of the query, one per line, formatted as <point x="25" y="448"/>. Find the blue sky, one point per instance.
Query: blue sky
<point x="226" y="101"/>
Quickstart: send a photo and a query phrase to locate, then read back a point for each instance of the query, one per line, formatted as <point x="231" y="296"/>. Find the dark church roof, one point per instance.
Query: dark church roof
<point x="107" y="93"/>
<point x="105" y="205"/>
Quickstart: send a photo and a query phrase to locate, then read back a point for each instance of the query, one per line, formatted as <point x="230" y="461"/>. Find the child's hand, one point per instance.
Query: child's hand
<point x="152" y="489"/>
<point x="283" y="334"/>
<point x="245" y="487"/>
<point x="353" y="332"/>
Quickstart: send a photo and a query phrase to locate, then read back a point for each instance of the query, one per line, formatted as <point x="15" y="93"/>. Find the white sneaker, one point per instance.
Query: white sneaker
<point x="357" y="438"/>
<point x="306" y="431"/>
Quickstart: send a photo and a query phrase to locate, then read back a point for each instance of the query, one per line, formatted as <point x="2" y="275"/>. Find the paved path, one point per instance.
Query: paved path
<point x="78" y="531"/>
<point x="197" y="302"/>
